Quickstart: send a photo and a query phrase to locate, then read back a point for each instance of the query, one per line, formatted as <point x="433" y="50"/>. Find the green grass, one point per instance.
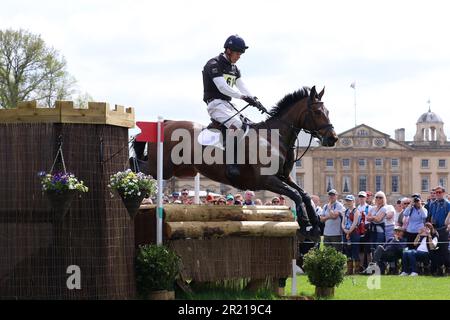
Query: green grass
<point x="391" y="288"/>
<point x="353" y="288"/>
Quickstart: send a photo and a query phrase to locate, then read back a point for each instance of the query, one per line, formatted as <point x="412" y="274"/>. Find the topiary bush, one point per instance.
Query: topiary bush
<point x="157" y="268"/>
<point x="325" y="267"/>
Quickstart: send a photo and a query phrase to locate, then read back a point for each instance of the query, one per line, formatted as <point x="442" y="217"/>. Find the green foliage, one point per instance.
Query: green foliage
<point x="30" y="70"/>
<point x="325" y="267"/>
<point x="131" y="184"/>
<point x="157" y="268"/>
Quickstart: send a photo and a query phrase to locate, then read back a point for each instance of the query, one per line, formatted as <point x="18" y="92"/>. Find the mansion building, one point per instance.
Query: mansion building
<point x="365" y="159"/>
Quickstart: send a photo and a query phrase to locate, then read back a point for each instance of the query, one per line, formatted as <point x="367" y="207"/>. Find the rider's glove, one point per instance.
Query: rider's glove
<point x="259" y="106"/>
<point x="250" y="100"/>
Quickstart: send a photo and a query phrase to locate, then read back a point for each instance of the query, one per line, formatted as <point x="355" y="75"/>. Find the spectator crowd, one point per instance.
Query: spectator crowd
<point x="410" y="237"/>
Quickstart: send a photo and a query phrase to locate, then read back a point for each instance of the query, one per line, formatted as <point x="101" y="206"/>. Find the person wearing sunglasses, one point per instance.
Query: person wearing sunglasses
<point x="376" y="218"/>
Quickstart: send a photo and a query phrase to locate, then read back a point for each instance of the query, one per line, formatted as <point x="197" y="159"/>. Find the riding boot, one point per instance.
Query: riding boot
<point x="232" y="169"/>
<point x="349" y="267"/>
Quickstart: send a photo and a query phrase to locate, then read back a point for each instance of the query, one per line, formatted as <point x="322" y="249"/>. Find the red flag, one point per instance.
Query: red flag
<point x="149" y="132"/>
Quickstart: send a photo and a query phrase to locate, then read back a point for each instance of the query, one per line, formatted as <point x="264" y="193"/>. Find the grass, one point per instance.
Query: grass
<point x="353" y="288"/>
<point x="390" y="288"/>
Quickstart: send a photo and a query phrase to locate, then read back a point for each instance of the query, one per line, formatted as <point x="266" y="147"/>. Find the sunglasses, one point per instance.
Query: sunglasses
<point x="406" y="203"/>
<point x="439" y="192"/>
<point x="378" y="197"/>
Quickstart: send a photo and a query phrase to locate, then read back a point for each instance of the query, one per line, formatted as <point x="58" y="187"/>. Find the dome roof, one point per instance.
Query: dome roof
<point x="430" y="117"/>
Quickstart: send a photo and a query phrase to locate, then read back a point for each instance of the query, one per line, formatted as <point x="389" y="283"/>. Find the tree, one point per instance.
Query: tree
<point x="29" y="70"/>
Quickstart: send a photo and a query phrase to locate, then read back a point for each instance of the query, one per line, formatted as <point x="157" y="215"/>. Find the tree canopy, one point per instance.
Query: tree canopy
<point x="30" y="70"/>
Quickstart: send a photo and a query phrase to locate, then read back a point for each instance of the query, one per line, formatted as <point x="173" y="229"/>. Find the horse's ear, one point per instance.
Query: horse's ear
<point x="321" y="93"/>
<point x="313" y="93"/>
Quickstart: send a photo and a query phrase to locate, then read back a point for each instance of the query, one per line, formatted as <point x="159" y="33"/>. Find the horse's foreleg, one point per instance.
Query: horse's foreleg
<point x="312" y="216"/>
<point x="279" y="186"/>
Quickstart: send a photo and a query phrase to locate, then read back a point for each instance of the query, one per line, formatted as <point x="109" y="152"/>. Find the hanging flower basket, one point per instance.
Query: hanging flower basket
<point x="61" y="188"/>
<point x="60" y="201"/>
<point x="132" y="203"/>
<point x="132" y="188"/>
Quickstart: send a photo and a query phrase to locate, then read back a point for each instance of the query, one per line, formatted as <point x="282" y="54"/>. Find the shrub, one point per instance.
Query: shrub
<point x="325" y="267"/>
<point x="157" y="268"/>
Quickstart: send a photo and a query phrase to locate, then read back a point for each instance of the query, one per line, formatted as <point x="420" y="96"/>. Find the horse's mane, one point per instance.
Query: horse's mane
<point x="287" y="101"/>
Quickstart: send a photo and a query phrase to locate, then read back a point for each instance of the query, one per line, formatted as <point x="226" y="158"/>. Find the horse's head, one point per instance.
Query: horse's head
<point x="316" y="119"/>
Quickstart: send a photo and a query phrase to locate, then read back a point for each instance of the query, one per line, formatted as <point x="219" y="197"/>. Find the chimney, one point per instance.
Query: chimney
<point x="400" y="134"/>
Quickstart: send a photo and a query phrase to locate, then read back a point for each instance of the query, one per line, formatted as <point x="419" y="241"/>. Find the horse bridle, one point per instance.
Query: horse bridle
<point x="313" y="133"/>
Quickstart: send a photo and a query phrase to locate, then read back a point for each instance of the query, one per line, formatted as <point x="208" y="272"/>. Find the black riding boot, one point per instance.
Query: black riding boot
<point x="232" y="170"/>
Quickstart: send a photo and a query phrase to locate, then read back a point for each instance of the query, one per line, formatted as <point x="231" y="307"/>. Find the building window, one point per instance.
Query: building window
<point x="379" y="183"/>
<point x="378" y="163"/>
<point x="395" y="163"/>
<point x="329" y="183"/>
<point x="442" y="163"/>
<point x="346" y="163"/>
<point x="425" y="184"/>
<point x="362" y="163"/>
<point x="301" y="180"/>
<point x="346" y="184"/>
<point x="443" y="181"/>
<point x="299" y="163"/>
<point x="424" y="164"/>
<point x="330" y="163"/>
<point x="362" y="133"/>
<point x="362" y="183"/>
<point x="395" y="184"/>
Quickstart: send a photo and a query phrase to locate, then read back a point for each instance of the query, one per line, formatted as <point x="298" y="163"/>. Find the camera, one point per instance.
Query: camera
<point x="416" y="199"/>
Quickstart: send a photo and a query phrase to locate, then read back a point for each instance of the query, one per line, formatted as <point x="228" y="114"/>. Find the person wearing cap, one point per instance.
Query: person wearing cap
<point x="230" y="199"/>
<point x="220" y="76"/>
<point x="351" y="236"/>
<point x="391" y="251"/>
<point x="331" y="215"/>
<point x="175" y="196"/>
<point x="209" y="199"/>
<point x="369" y="198"/>
<point x="414" y="219"/>
<point x="440" y="218"/>
<point x="363" y="208"/>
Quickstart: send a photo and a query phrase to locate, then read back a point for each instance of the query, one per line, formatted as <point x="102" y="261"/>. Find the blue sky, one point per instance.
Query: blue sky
<point x="149" y="54"/>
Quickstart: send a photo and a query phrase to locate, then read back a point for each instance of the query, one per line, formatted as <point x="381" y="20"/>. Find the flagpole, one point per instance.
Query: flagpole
<point x="159" y="173"/>
<point x="354" y="91"/>
<point x="353" y="86"/>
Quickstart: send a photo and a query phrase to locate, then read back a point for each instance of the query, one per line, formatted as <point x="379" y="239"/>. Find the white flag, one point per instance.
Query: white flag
<point x="353" y="85"/>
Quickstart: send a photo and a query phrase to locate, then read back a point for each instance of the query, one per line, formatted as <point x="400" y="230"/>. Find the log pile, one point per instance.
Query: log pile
<point x="205" y="222"/>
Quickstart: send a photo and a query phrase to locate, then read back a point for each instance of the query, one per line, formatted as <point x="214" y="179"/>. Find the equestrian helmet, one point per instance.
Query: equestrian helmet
<point x="235" y="43"/>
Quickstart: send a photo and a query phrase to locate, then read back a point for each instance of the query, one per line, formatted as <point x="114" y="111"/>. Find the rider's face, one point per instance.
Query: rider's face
<point x="234" y="56"/>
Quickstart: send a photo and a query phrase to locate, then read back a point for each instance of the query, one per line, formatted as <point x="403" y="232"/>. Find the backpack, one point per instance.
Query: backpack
<point x="360" y="228"/>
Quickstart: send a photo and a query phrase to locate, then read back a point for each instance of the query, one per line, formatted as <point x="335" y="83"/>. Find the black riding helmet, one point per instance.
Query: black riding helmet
<point x="235" y="43"/>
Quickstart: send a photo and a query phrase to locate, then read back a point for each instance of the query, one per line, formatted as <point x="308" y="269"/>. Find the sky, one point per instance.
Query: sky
<point x="149" y="54"/>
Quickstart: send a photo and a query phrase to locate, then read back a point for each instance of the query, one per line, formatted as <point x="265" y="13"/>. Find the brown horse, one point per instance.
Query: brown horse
<point x="302" y="109"/>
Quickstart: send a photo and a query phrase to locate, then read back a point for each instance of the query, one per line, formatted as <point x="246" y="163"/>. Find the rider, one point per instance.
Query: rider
<point x="220" y="75"/>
